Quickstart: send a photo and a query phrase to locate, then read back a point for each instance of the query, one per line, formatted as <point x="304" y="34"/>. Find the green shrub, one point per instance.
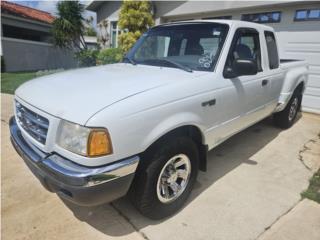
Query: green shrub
<point x="109" y="55"/>
<point x="87" y="57"/>
<point x="136" y="17"/>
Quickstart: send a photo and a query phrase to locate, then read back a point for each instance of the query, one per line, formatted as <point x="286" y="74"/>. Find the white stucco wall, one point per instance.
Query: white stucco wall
<point x="26" y="55"/>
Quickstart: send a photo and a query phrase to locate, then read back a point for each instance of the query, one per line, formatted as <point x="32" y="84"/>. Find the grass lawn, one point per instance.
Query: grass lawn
<point x="10" y="81"/>
<point x="313" y="192"/>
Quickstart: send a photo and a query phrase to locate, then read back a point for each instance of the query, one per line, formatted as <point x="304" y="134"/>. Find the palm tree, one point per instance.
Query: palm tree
<point x="68" y="28"/>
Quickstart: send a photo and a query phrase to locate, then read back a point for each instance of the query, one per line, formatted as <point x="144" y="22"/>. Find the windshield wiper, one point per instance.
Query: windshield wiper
<point x="130" y="60"/>
<point x="181" y="66"/>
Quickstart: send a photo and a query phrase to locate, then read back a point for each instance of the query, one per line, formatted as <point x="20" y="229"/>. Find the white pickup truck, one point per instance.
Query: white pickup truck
<point x="144" y="126"/>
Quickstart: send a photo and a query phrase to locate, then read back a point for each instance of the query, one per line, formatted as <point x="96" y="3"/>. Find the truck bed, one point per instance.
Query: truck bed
<point x="289" y="60"/>
<point x="292" y="63"/>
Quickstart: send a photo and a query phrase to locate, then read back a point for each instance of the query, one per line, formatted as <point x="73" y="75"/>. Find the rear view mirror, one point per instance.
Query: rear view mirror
<point x="241" y="67"/>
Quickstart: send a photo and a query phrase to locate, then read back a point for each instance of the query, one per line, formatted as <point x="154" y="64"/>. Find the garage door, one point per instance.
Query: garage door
<point x="305" y="45"/>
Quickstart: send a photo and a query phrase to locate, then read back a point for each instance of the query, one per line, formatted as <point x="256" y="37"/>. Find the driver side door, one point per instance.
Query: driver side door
<point x="251" y="91"/>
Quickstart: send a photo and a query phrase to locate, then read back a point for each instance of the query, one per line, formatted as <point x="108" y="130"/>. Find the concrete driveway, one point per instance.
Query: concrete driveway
<point x="253" y="180"/>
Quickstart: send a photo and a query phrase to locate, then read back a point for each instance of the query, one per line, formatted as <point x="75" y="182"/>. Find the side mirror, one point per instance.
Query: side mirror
<point x="241" y="67"/>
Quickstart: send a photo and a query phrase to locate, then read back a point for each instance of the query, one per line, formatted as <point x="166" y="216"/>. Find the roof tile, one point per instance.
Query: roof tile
<point x="26" y="12"/>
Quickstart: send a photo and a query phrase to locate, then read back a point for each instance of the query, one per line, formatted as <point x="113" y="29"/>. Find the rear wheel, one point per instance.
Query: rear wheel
<point x="165" y="178"/>
<point x="286" y="117"/>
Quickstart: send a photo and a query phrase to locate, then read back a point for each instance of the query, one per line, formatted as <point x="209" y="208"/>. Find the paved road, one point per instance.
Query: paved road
<point x="253" y="179"/>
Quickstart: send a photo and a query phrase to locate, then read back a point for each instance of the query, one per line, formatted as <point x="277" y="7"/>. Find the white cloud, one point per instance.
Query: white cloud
<point x="51" y="7"/>
<point x="48" y="6"/>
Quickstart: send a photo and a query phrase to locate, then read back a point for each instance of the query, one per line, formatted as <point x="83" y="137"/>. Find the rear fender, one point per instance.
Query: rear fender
<point x="293" y="79"/>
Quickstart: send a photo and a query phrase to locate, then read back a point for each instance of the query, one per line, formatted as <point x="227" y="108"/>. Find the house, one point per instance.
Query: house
<point x="297" y="24"/>
<point x="91" y="42"/>
<point x="26" y="41"/>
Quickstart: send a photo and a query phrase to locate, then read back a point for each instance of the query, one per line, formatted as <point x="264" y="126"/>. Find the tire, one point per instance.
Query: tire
<point x="151" y="194"/>
<point x="287" y="116"/>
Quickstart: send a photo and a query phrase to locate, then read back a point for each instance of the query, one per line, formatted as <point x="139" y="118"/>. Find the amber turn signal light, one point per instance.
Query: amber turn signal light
<point x="99" y="143"/>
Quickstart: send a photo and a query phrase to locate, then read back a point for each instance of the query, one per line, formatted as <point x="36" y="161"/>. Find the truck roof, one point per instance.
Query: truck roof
<point x="235" y="23"/>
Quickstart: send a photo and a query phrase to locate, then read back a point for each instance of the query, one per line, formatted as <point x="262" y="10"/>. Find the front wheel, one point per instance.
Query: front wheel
<point x="286" y="117"/>
<point x="165" y="178"/>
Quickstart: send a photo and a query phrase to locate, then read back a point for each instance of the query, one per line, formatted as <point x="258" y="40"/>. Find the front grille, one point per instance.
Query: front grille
<point x="34" y="124"/>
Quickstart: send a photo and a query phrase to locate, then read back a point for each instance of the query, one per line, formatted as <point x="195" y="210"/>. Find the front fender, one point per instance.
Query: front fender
<point x="173" y="122"/>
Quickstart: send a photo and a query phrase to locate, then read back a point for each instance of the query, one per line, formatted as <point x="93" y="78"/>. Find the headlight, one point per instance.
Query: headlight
<point x="91" y="142"/>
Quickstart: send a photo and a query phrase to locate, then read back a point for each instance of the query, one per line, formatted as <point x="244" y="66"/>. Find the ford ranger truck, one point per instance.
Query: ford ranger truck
<point x="143" y="127"/>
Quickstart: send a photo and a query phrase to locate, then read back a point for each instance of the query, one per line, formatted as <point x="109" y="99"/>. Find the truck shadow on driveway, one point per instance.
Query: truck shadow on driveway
<point x="223" y="159"/>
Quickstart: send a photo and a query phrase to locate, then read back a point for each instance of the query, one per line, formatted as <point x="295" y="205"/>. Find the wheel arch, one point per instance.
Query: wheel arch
<point x="300" y="87"/>
<point x="188" y="130"/>
<point x="298" y="83"/>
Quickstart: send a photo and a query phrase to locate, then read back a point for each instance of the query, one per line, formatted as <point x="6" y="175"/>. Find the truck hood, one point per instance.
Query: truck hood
<point x="76" y="95"/>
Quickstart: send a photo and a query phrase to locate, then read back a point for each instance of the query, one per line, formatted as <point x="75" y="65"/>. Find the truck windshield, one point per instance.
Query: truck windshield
<point x="189" y="46"/>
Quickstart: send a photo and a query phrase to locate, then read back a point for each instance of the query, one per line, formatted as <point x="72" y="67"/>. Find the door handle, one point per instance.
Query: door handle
<point x="264" y="82"/>
<point x="209" y="103"/>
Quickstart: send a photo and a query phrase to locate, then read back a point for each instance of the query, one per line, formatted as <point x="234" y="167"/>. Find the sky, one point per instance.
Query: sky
<point x="50" y="6"/>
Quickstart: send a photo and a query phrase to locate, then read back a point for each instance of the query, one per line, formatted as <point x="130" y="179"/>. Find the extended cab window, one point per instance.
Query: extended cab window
<point x="245" y="45"/>
<point x="194" y="46"/>
<point x="272" y="50"/>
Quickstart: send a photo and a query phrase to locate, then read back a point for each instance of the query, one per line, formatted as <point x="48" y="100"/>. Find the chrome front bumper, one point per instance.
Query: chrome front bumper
<point x="79" y="184"/>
